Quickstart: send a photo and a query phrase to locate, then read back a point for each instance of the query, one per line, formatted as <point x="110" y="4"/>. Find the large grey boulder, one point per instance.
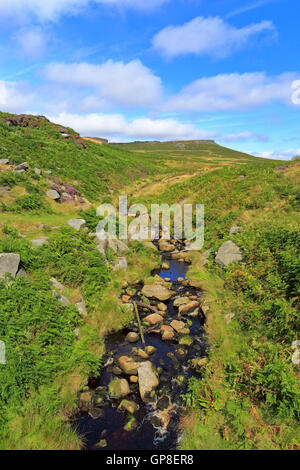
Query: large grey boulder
<point x="228" y="253"/>
<point x="9" y="263"/>
<point x="148" y="380"/>
<point x="4" y="161"/>
<point x="157" y="291"/>
<point x="77" y="224"/>
<point x="53" y="194"/>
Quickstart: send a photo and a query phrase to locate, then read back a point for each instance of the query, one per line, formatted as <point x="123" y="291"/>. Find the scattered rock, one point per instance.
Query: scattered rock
<point x="116" y="370"/>
<point x="81" y="307"/>
<point x="229" y="317"/>
<point x="57" y="285"/>
<point x="77" y="224"/>
<point x="120" y="263"/>
<point x="63" y="300"/>
<point x="148" y="380"/>
<point x="165" y="246"/>
<point x="39" y="242"/>
<point x="154" y="318"/>
<point x="162" y="307"/>
<point x="234" y="230"/>
<point x="189" y="308"/>
<point x="128" y="365"/>
<point x="129" y="406"/>
<point x="177" y="325"/>
<point x="228" y="253"/>
<point x="9" y="264"/>
<point x="118" y="388"/>
<point x="150" y="350"/>
<point x="167" y="333"/>
<point x="132" y="337"/>
<point x="181" y="301"/>
<point x="142" y="354"/>
<point x="157" y="291"/>
<point x="134" y="379"/>
<point x="4" y="161"/>
<point x="53" y="194"/>
<point x="22" y="167"/>
<point x="38" y="171"/>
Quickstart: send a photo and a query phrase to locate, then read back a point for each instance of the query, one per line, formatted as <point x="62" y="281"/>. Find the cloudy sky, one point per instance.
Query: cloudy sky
<point x="158" y="69"/>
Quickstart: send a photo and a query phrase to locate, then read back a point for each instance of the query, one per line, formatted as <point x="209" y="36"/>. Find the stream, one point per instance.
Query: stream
<point x="155" y="425"/>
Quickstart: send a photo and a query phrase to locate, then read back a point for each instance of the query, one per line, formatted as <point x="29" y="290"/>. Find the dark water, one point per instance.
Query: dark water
<point x="148" y="435"/>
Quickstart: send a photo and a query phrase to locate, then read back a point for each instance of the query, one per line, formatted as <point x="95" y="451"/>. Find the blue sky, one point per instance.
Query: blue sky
<point x="157" y="69"/>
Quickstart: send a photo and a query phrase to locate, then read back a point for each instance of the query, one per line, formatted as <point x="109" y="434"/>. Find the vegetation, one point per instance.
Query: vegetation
<point x="248" y="396"/>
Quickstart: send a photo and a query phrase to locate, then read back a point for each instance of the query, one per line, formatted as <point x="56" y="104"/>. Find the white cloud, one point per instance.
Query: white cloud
<point x="116" y="125"/>
<point x="126" y="84"/>
<point x="207" y="36"/>
<point x="232" y="92"/>
<point x="243" y="137"/>
<point x="51" y="10"/>
<point x="286" y="154"/>
<point x="32" y="42"/>
<point x="14" y="97"/>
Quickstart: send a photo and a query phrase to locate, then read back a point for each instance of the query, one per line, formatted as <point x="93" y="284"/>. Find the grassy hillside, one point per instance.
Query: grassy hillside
<point x="249" y="395"/>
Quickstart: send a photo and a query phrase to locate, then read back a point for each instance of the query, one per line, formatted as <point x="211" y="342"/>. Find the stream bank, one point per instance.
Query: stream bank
<point x="115" y="411"/>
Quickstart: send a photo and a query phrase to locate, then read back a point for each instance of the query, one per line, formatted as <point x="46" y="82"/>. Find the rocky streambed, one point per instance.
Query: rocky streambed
<point x="136" y="400"/>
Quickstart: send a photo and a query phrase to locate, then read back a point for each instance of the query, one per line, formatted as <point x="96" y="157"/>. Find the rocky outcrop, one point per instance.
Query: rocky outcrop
<point x="148" y="380"/>
<point x="228" y="253"/>
<point x="9" y="264"/>
<point x="157" y="291"/>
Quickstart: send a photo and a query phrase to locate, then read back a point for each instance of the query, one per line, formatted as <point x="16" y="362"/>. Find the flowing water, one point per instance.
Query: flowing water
<point x="155" y="429"/>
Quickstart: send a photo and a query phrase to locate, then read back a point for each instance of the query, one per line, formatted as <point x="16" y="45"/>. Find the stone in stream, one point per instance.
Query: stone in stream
<point x="148" y="380"/>
<point x="77" y="224"/>
<point x="167" y="332"/>
<point x="150" y="350"/>
<point x="118" y="388"/>
<point x="177" y="325"/>
<point x="130" y="406"/>
<point x="128" y="365"/>
<point x="181" y="301"/>
<point x="132" y="337"/>
<point x="157" y="291"/>
<point x="164" y="245"/>
<point x="190" y="308"/>
<point x="133" y="379"/>
<point x="228" y="253"/>
<point x="154" y="319"/>
<point x="141" y="353"/>
<point x="116" y="370"/>
<point x="165" y="266"/>
<point x="9" y="264"/>
<point x="161" y="306"/>
<point x="186" y="341"/>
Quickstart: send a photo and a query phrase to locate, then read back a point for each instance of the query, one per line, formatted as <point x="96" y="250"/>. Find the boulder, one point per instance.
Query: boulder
<point x="57" y="285"/>
<point x="148" y="380"/>
<point x="4" y="161"/>
<point x="77" y="224"/>
<point x="128" y="365"/>
<point x="53" y="194"/>
<point x="157" y="291"/>
<point x="154" y="318"/>
<point x="228" y="253"/>
<point x="38" y="171"/>
<point x="161" y="306"/>
<point x="9" y="264"/>
<point x="118" y="388"/>
<point x="23" y="166"/>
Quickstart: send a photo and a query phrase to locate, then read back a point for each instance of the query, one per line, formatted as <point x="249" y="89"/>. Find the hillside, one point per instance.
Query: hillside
<point x="66" y="293"/>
